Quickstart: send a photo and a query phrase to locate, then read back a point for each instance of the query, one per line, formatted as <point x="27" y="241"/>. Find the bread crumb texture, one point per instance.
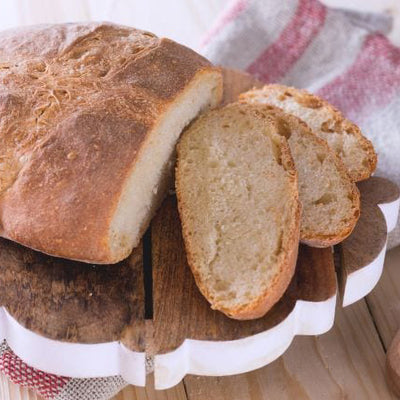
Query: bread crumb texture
<point x="238" y="202"/>
<point x="329" y="198"/>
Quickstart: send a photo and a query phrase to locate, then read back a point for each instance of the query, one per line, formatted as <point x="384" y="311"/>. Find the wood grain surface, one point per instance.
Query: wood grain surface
<point x="77" y="302"/>
<point x="369" y="235"/>
<point x="345" y="363"/>
<point x="177" y="298"/>
<point x="72" y="301"/>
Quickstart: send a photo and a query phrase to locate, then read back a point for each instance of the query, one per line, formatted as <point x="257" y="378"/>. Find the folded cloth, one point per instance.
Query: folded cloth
<point x="342" y="56"/>
<point x="55" y="387"/>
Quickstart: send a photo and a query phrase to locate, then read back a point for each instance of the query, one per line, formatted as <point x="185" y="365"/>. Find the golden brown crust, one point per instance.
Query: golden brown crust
<point x="264" y="302"/>
<point x="77" y="102"/>
<point x="340" y="123"/>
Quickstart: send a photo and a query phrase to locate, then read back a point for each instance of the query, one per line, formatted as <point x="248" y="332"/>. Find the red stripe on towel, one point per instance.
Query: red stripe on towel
<point x="370" y="83"/>
<point x="229" y="15"/>
<point x="47" y="385"/>
<point x="279" y="57"/>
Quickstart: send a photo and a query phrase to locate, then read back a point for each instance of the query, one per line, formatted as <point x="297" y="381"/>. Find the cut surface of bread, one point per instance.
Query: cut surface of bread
<point x="89" y="117"/>
<point x="330" y="200"/>
<point x="238" y="203"/>
<point x="147" y="185"/>
<point x="343" y="136"/>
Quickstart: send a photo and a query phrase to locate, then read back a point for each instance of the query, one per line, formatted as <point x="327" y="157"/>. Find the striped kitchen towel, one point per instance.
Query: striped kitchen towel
<point x="342" y="56"/>
<point x="50" y="386"/>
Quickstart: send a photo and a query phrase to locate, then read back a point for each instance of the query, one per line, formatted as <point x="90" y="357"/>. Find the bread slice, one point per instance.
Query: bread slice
<point x="330" y="200"/>
<point x="90" y="114"/>
<point x="344" y="137"/>
<point x="238" y="203"/>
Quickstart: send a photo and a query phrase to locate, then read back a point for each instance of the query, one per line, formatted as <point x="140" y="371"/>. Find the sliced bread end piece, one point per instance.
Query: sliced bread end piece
<point x="238" y="203"/>
<point x="330" y="200"/>
<point x="343" y="136"/>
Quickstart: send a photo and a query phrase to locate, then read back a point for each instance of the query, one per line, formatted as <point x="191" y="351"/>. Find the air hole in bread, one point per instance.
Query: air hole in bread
<point x="276" y="149"/>
<point x="321" y="157"/>
<point x="221" y="286"/>
<point x="103" y="73"/>
<point x="365" y="162"/>
<point x="279" y="244"/>
<point x="137" y="50"/>
<point x="283" y="129"/>
<point x="326" y="199"/>
<point x="213" y="164"/>
<point x="79" y="53"/>
<point x="149" y="34"/>
<point x="284" y="96"/>
<point x="326" y="126"/>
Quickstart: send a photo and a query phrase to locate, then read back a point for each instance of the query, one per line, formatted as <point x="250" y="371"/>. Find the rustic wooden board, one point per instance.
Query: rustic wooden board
<point x="367" y="242"/>
<point x="177" y="298"/>
<point x="369" y="235"/>
<point x="75" y="302"/>
<point x="72" y="301"/>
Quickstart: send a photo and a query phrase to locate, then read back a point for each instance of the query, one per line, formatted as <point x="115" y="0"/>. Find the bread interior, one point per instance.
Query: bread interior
<point x="149" y="181"/>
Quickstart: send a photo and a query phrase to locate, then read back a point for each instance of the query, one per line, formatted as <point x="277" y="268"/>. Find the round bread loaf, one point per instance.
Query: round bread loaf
<point x="89" y="118"/>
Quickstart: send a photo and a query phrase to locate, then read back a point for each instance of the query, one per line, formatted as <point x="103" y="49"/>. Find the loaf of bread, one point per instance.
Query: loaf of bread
<point x="238" y="202"/>
<point x="344" y="137"/>
<point x="330" y="200"/>
<point x="89" y="118"/>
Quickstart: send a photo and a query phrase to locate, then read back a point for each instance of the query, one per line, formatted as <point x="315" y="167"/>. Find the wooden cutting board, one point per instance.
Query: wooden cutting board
<point x="150" y="304"/>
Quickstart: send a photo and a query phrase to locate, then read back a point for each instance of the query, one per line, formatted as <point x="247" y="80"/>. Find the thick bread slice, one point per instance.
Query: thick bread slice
<point x="330" y="200"/>
<point x="344" y="137"/>
<point x="89" y="118"/>
<point x="238" y="202"/>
